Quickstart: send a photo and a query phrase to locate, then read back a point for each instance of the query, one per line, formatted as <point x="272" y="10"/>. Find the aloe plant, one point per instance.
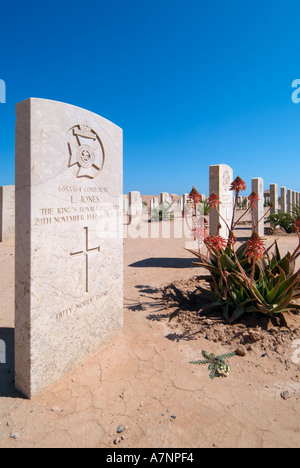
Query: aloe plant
<point x="163" y="212"/>
<point x="250" y="279"/>
<point x="234" y="288"/>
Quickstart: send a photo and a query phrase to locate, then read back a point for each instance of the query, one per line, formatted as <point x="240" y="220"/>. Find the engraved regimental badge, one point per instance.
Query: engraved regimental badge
<point x="226" y="181"/>
<point x="85" y="151"/>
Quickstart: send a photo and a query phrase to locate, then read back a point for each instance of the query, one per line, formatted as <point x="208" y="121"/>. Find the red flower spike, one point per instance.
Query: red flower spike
<point x="214" y="201"/>
<point x="253" y="199"/>
<point x="255" y="247"/>
<point x="215" y="242"/>
<point x="238" y="185"/>
<point x="194" y="196"/>
<point x="199" y="233"/>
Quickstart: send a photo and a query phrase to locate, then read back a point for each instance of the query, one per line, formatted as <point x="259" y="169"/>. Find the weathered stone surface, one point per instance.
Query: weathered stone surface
<point x="69" y="248"/>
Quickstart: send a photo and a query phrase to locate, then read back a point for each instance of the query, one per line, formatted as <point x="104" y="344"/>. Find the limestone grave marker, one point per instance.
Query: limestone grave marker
<point x="258" y="188"/>
<point x="69" y="248"/>
<point x="135" y="207"/>
<point x="7" y="213"/>
<point x="283" y="199"/>
<point x="220" y="180"/>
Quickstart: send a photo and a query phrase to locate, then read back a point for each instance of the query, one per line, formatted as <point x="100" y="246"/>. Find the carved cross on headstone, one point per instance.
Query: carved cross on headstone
<point x="86" y="253"/>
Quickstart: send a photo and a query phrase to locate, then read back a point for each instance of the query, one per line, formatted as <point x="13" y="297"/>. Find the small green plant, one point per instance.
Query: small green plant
<point x="163" y="212"/>
<point x="217" y="364"/>
<point x="203" y="208"/>
<point x="284" y="220"/>
<point x="296" y="210"/>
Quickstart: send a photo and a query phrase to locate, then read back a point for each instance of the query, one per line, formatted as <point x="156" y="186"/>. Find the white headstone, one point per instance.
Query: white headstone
<point x="289" y="201"/>
<point x="69" y="247"/>
<point x="7" y="213"/>
<point x="153" y="203"/>
<point x="164" y="197"/>
<point x="283" y="199"/>
<point x="185" y="198"/>
<point x="135" y="207"/>
<point x="274" y="198"/>
<point x="258" y="188"/>
<point x="125" y="205"/>
<point x="220" y="180"/>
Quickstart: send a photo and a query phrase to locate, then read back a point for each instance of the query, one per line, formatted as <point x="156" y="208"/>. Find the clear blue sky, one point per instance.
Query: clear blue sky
<point x="192" y="83"/>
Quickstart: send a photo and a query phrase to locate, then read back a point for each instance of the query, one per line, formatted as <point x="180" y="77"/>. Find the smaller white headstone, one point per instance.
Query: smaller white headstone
<point x="258" y="188"/>
<point x="164" y="197"/>
<point x="289" y="201"/>
<point x="220" y="180"/>
<point x="7" y="213"/>
<point x="125" y="205"/>
<point x="274" y="198"/>
<point x="283" y="199"/>
<point x="135" y="207"/>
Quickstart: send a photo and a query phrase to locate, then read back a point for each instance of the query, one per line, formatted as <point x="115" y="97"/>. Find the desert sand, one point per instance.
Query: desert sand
<point x="144" y="381"/>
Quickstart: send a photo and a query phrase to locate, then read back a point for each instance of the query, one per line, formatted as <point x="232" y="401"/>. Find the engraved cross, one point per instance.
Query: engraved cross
<point x="86" y="253"/>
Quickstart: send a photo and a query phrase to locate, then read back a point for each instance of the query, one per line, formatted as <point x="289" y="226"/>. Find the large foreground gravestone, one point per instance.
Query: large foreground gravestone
<point x="7" y="213"/>
<point x="220" y="180"/>
<point x="69" y="285"/>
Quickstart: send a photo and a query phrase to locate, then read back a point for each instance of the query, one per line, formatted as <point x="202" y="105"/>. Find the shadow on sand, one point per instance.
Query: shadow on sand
<point x="165" y="263"/>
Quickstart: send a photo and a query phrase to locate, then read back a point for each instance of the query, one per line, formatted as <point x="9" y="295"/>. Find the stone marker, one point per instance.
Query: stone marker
<point x="69" y="247"/>
<point x="289" y="201"/>
<point x="7" y="213"/>
<point x="283" y="199"/>
<point x="154" y="203"/>
<point x="220" y="180"/>
<point x="258" y="188"/>
<point x="125" y="204"/>
<point x="274" y="198"/>
<point x="164" y="197"/>
<point x="294" y="202"/>
<point x="185" y="198"/>
<point x="135" y="207"/>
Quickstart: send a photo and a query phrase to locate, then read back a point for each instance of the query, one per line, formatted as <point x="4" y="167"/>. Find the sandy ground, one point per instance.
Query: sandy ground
<point x="144" y="381"/>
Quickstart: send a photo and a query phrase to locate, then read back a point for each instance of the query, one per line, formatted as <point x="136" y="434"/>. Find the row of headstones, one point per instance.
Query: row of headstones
<point x="133" y="204"/>
<point x="220" y="179"/>
<point x="287" y="200"/>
